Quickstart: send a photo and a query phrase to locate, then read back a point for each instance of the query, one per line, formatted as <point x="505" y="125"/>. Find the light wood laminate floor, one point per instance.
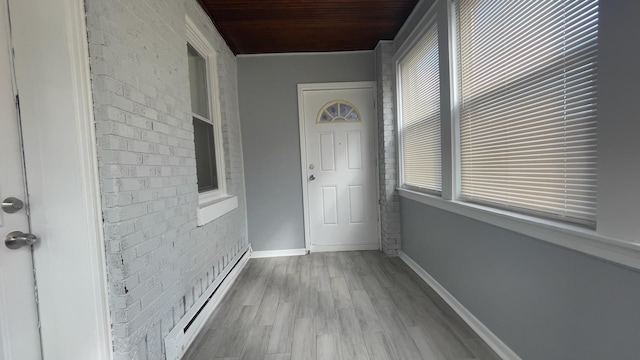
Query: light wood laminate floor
<point x="343" y="305"/>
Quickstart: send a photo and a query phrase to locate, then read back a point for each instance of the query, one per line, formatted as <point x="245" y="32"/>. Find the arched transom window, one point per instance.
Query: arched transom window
<point x="338" y="111"/>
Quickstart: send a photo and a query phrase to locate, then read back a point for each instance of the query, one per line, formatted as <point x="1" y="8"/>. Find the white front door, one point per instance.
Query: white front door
<point x="340" y="168"/>
<point x="19" y="335"/>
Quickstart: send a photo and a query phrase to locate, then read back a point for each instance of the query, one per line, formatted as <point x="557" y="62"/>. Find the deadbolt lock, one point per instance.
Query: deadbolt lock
<point x="12" y="205"/>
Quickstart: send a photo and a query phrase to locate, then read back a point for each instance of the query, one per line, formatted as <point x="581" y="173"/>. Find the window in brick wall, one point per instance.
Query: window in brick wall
<point x="206" y="119"/>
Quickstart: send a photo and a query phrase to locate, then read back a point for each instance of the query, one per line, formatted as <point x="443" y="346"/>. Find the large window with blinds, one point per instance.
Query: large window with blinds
<point x="419" y="105"/>
<point x="526" y="73"/>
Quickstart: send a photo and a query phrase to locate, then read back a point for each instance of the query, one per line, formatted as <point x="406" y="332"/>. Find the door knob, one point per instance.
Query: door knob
<point x="311" y="178"/>
<point x="18" y="239"/>
<point x="12" y="205"/>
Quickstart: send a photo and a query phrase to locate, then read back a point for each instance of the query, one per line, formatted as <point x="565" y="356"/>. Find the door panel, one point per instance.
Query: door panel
<point x="327" y="152"/>
<point x="354" y="151"/>
<point x="340" y="169"/>
<point x="19" y="336"/>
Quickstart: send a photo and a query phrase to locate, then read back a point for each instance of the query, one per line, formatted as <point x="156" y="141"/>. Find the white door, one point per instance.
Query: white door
<point x="340" y="168"/>
<point x="19" y="335"/>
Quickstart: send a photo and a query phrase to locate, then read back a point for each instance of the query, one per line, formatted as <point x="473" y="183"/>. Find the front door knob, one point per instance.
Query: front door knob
<point x="18" y="239"/>
<point x="311" y="178"/>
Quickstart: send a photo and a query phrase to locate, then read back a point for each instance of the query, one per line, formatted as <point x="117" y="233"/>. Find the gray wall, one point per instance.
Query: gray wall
<point x="267" y="91"/>
<point x="543" y="301"/>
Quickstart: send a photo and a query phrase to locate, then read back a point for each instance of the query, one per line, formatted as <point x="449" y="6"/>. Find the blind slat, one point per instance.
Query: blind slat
<point x="527" y="73"/>
<point x="420" y="121"/>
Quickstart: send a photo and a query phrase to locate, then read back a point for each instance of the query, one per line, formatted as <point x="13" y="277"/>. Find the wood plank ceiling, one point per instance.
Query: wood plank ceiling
<point x="275" y="26"/>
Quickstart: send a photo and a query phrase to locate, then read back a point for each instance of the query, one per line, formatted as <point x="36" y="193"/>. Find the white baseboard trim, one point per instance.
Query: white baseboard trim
<point x="188" y="328"/>
<point x="278" y="253"/>
<point x="490" y="338"/>
<point x="344" y="247"/>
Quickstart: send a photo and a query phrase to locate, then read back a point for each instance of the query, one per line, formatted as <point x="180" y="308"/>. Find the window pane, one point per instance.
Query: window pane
<point x="205" y="156"/>
<point x="198" y="83"/>
<point x="527" y="86"/>
<point x="420" y="117"/>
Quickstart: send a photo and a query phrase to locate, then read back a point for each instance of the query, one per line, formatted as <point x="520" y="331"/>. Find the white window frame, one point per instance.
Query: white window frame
<point x="569" y="235"/>
<point x="426" y="23"/>
<point x="214" y="203"/>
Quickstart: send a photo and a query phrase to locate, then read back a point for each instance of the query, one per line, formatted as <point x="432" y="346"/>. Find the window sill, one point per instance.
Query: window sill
<point x="212" y="210"/>
<point x="562" y="234"/>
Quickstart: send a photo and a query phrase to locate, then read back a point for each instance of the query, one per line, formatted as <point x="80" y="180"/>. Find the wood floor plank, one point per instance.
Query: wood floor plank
<point x="306" y="274"/>
<point x="266" y="313"/>
<point x="282" y="329"/>
<point x="277" y="277"/>
<point x="322" y="278"/>
<point x="304" y="340"/>
<point x="293" y="266"/>
<point x="325" y="304"/>
<point x="451" y="319"/>
<point x="377" y="293"/>
<point x="227" y="315"/>
<point x="361" y="267"/>
<point x="318" y="259"/>
<point x="351" y="338"/>
<point x="346" y="260"/>
<point x="277" y="357"/>
<point x="306" y="303"/>
<point x="425" y="344"/>
<point x="333" y="266"/>
<point x="327" y="325"/>
<point x="366" y="314"/>
<point x="481" y="349"/>
<point x="354" y="281"/>
<point x="378" y="346"/>
<point x="247" y="316"/>
<point x="353" y="347"/>
<point x="328" y="347"/>
<point x="369" y="307"/>
<point x="256" y="344"/>
<point x="403" y="345"/>
<point x="447" y="342"/>
<point x="291" y="283"/>
<point x="221" y="342"/>
<point x="412" y="311"/>
<point x="384" y="278"/>
<point x="341" y="294"/>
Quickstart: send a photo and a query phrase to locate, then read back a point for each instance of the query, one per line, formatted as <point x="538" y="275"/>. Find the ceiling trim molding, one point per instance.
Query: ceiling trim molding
<point x="344" y="52"/>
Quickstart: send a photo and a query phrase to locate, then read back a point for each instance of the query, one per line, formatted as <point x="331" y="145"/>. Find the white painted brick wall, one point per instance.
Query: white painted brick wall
<point x="389" y="200"/>
<point x="159" y="261"/>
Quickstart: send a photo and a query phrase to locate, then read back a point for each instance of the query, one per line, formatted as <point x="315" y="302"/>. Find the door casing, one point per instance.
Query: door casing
<point x="303" y="149"/>
<point x="51" y="67"/>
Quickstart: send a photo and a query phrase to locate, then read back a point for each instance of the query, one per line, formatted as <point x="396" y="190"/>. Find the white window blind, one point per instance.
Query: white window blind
<point x="527" y="105"/>
<point x="420" y="113"/>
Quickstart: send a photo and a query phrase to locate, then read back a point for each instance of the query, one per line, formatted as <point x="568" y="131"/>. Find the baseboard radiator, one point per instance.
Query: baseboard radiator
<point x="188" y="328"/>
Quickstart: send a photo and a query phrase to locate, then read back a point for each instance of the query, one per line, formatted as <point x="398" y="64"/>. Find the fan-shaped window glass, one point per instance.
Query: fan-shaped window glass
<point x="338" y="111"/>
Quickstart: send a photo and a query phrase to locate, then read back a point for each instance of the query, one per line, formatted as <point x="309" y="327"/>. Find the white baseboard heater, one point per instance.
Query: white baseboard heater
<point x="188" y="328"/>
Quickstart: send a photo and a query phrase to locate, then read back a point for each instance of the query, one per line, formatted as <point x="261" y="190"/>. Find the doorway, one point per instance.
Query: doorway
<point x="339" y="166"/>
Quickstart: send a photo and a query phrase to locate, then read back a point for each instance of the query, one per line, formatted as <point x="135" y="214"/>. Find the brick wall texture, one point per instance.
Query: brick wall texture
<point x="159" y="261"/>
<point x="388" y="158"/>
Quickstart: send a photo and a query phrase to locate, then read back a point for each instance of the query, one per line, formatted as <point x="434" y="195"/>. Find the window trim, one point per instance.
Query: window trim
<point x="425" y="25"/>
<point x="593" y="242"/>
<point x="213" y="203"/>
<point x="429" y="19"/>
